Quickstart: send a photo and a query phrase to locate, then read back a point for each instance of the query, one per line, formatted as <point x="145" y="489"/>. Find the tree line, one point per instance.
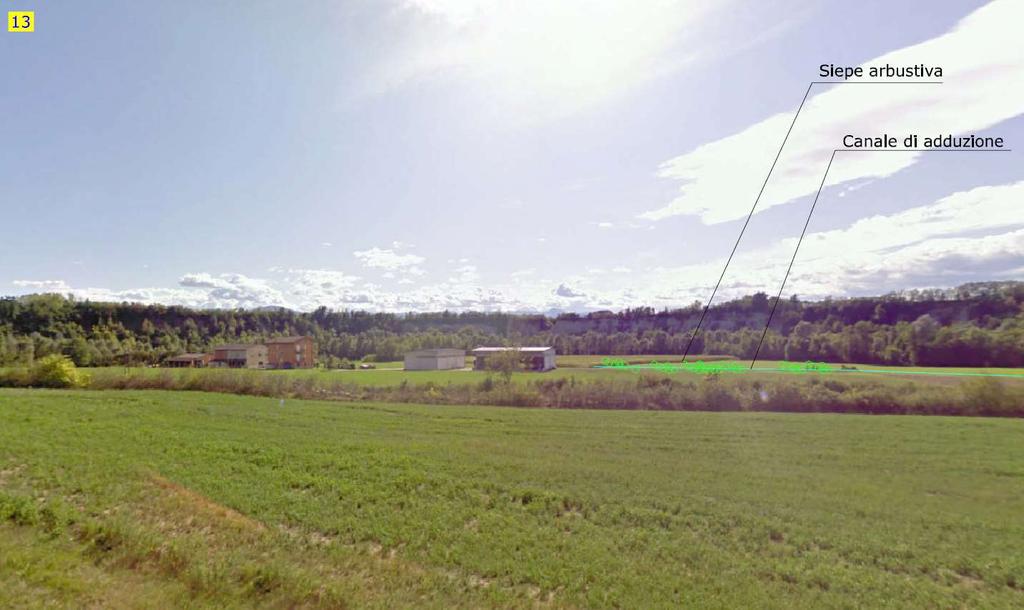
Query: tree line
<point x="979" y="324"/>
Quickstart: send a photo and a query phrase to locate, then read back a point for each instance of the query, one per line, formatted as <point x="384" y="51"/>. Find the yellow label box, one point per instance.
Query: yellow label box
<point x="21" y="21"/>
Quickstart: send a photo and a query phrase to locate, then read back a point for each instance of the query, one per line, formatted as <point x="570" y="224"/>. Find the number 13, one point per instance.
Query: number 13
<point x="20" y="21"/>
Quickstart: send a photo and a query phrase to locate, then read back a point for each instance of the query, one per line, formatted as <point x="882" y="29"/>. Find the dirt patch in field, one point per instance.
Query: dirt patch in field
<point x="10" y="472"/>
<point x="202" y="506"/>
<point x="959" y="578"/>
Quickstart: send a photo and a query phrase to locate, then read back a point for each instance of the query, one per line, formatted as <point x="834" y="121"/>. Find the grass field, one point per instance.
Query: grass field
<point x="159" y="499"/>
<point x="591" y="361"/>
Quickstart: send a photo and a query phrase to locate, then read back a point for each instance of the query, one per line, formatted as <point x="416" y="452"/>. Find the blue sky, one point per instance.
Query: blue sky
<point x="411" y="155"/>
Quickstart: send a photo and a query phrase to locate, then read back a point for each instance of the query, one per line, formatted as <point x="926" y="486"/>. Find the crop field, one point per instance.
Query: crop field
<point x="162" y="499"/>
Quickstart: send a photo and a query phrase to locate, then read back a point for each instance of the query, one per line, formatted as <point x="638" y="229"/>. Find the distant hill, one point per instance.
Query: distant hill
<point x="977" y="324"/>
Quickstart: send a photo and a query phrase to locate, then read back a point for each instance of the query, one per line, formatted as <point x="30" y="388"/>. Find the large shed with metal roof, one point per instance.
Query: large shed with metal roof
<point x="435" y="359"/>
<point x="531" y="358"/>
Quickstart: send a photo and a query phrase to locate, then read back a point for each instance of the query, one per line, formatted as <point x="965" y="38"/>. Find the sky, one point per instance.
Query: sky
<point x="422" y="155"/>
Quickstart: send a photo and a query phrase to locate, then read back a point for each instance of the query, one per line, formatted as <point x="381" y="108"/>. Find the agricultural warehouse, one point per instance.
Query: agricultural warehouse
<point x="435" y="359"/>
<point x="532" y="358"/>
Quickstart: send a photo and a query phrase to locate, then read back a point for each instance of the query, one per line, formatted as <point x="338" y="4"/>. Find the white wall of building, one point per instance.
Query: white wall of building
<point x="421" y="361"/>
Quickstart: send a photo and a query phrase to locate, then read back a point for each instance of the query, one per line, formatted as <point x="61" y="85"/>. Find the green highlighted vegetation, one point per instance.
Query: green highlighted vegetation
<point x="722" y="366"/>
<point x="731" y="366"/>
<point x="712" y="367"/>
<point x="806" y="367"/>
<point x="175" y="499"/>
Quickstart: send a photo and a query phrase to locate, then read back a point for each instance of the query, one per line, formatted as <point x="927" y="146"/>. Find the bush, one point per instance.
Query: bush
<point x="987" y="396"/>
<point x="782" y="396"/>
<point x="55" y="371"/>
<point x="504" y="363"/>
<point x="15" y="378"/>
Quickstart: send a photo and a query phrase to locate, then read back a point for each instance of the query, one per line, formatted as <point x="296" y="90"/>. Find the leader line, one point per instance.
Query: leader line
<point x="810" y="213"/>
<point x="757" y="200"/>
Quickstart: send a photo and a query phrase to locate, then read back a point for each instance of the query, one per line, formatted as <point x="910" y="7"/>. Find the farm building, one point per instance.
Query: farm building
<point x="532" y="358"/>
<point x="189" y="361"/>
<point x="435" y="359"/>
<point x="297" y="352"/>
<point x="240" y="356"/>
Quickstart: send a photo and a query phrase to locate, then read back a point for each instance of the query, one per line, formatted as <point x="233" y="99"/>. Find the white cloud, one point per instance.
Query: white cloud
<point x="917" y="244"/>
<point x="983" y="64"/>
<point x="310" y="288"/>
<point x="43" y="285"/>
<point x="326" y="244"/>
<point x="189" y="297"/>
<point x="326" y="279"/>
<point x="605" y="225"/>
<point x="979" y="232"/>
<point x="380" y="258"/>
<point x="177" y="296"/>
<point x="985" y="208"/>
<point x="465" y="274"/>
<point x="568" y="292"/>
<point x="234" y="289"/>
<point x="940" y="261"/>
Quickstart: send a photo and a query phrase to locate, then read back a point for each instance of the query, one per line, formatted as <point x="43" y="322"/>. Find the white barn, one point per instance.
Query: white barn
<point x="435" y="359"/>
<point x="533" y="358"/>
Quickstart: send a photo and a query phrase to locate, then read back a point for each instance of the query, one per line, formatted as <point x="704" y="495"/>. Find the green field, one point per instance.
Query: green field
<point x="590" y="361"/>
<point x="160" y="499"/>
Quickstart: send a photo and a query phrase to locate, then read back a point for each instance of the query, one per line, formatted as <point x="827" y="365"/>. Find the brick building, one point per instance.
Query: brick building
<point x="298" y="352"/>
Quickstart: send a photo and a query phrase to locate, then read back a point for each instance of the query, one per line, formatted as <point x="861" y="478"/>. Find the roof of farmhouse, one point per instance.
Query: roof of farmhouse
<point x="237" y="346"/>
<point x="183" y="357"/>
<point x="529" y="350"/>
